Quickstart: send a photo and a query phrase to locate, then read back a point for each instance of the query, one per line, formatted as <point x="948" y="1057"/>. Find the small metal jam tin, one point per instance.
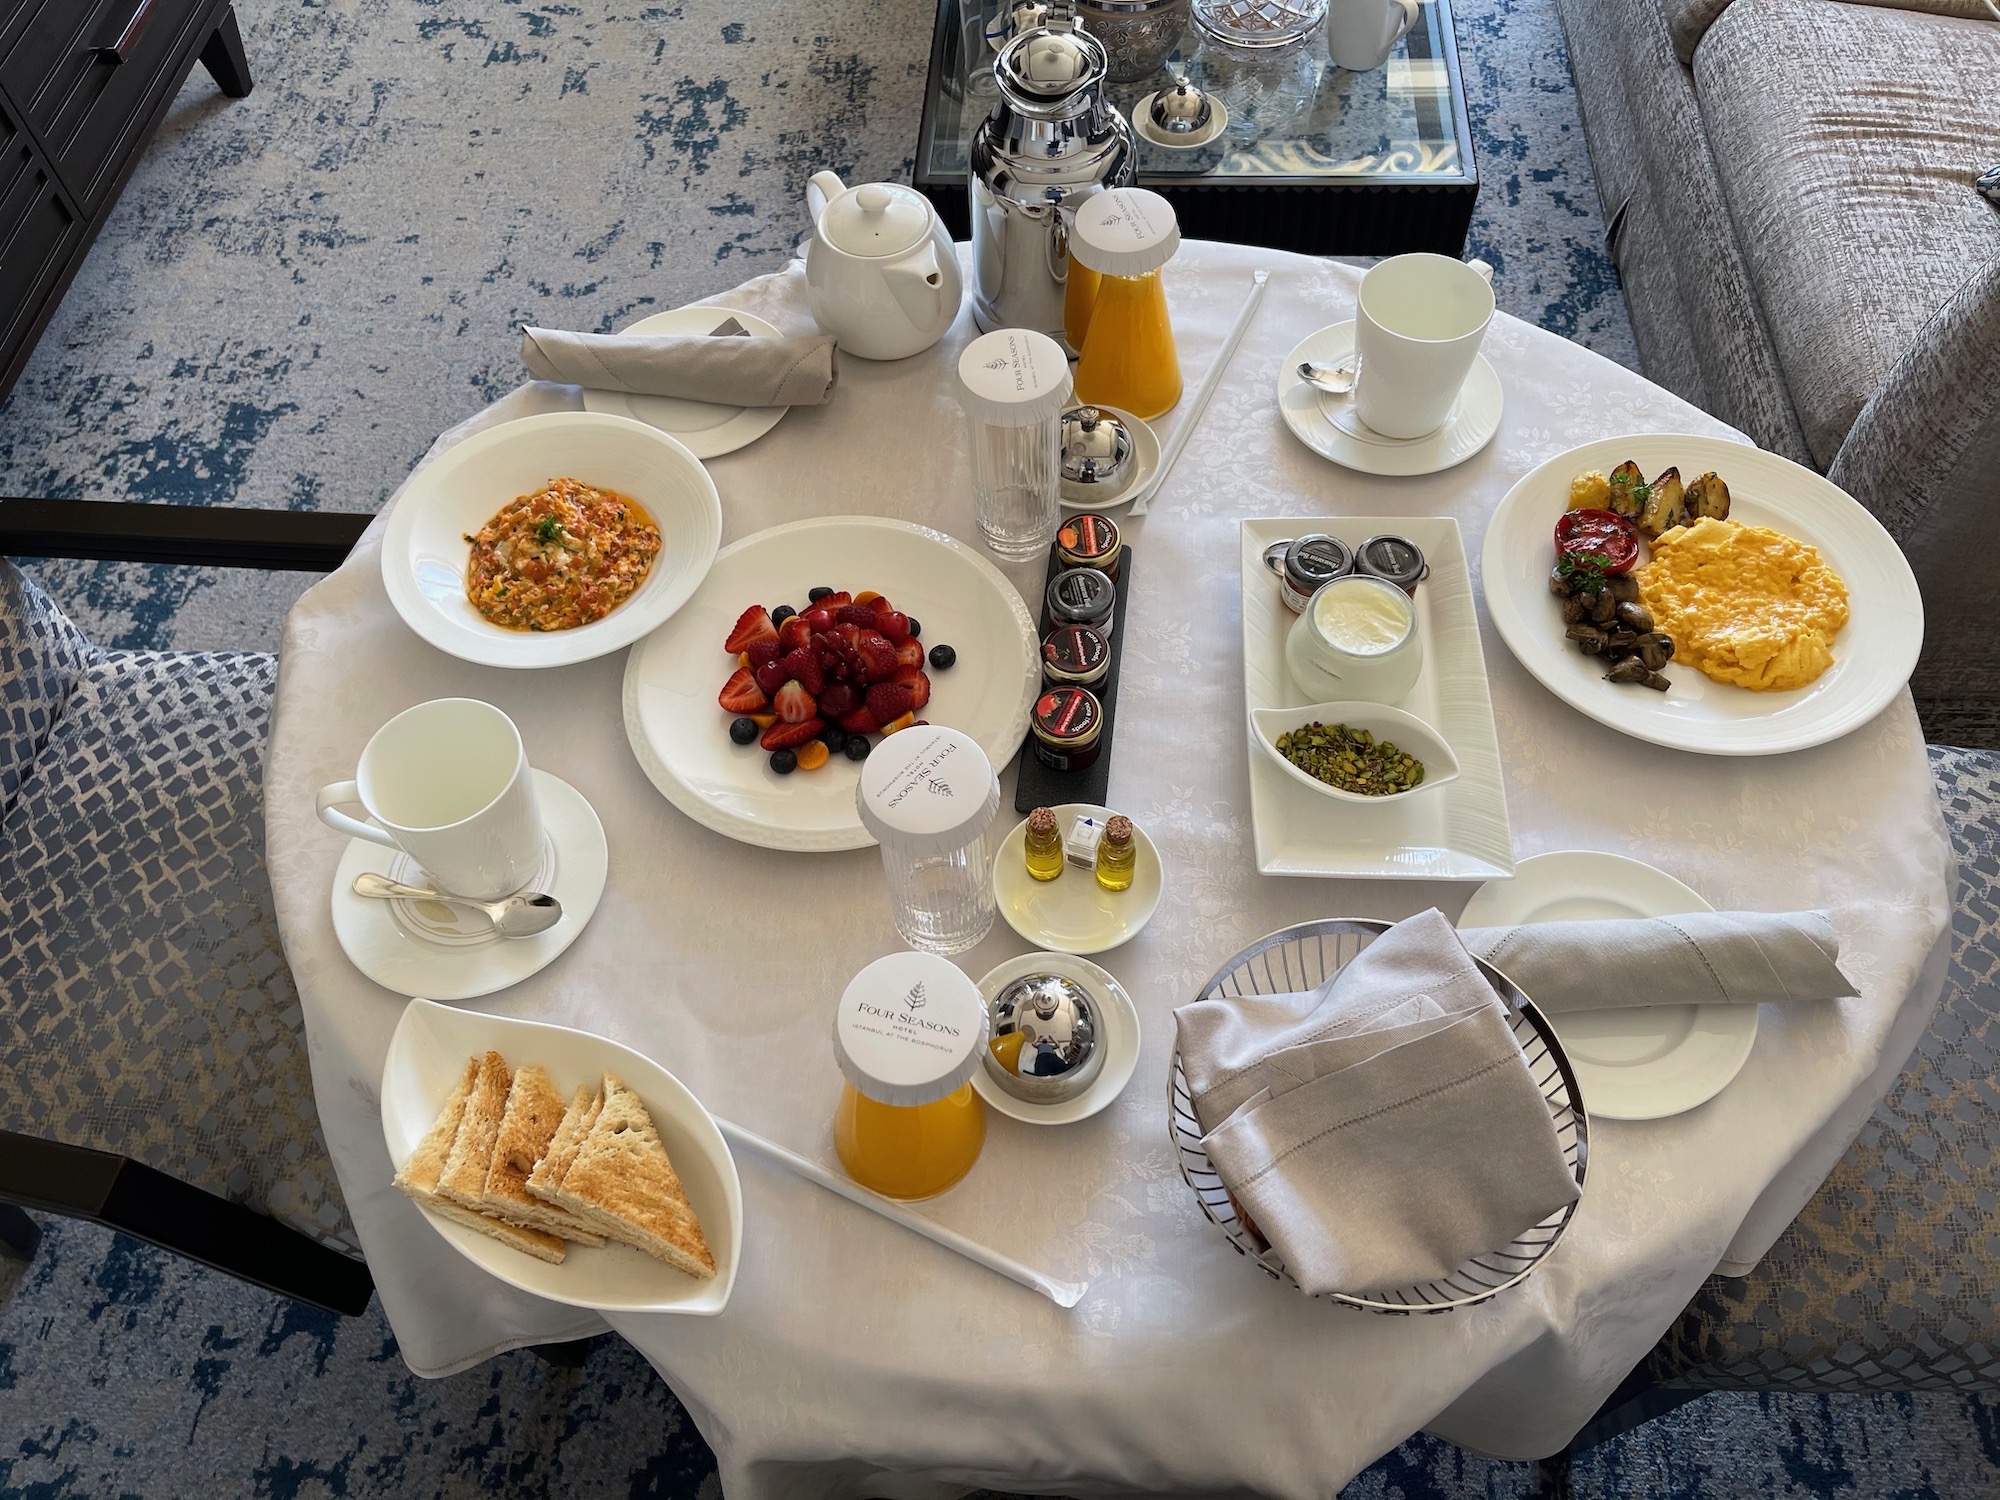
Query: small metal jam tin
<point x="1304" y="564"/>
<point x="1088" y="540"/>
<point x="1075" y="656"/>
<point x="1067" y="723"/>
<point x="1082" y="596"/>
<point x="1394" y="559"/>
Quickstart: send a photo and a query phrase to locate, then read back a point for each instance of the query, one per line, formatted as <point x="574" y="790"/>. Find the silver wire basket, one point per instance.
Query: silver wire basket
<point x="1301" y="958"/>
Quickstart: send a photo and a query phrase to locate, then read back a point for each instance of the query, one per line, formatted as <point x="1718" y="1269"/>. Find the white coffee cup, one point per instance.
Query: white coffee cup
<point x="1359" y="33"/>
<point x="1417" y="327"/>
<point x="1368" y="651"/>
<point x="447" y="782"/>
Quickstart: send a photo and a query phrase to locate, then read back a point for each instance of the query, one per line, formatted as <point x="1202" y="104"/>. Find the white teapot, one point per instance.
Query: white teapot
<point x="881" y="273"/>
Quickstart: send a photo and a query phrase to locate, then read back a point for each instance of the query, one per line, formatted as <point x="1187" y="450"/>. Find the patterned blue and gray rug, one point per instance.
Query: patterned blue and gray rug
<point x="296" y="293"/>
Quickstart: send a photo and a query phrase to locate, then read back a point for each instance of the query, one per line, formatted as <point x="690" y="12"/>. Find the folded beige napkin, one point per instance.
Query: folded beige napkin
<point x="1384" y="1128"/>
<point x="1702" y="958"/>
<point x="729" y="371"/>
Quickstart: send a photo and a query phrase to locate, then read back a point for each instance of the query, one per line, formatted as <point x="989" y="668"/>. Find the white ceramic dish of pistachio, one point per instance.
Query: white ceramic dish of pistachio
<point x="1406" y="732"/>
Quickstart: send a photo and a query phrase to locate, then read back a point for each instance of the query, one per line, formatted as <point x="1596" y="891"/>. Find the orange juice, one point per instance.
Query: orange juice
<point x="1129" y="359"/>
<point x="912" y="1152"/>
<point x="1079" y="294"/>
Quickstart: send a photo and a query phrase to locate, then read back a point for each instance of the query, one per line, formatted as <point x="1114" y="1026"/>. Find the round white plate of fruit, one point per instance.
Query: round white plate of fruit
<point x="754" y="706"/>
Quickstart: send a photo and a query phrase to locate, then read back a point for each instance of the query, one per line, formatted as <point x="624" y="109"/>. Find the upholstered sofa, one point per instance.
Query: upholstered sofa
<point x="1790" y="193"/>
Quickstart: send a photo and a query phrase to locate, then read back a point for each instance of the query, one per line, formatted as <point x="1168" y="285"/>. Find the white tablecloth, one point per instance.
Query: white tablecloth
<point x="857" y="1359"/>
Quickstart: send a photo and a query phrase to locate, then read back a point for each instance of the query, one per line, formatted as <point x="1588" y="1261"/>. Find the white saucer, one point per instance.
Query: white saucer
<point x="1120" y="1040"/>
<point x="703" y="428"/>
<point x="444" y="952"/>
<point x="1327" y="424"/>
<point x="1145" y="459"/>
<point x="1073" y="913"/>
<point x="1633" y="1064"/>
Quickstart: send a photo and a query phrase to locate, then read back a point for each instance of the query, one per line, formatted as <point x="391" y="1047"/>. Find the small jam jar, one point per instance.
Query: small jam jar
<point x="1306" y="563"/>
<point x="1393" y="559"/>
<point x="909" y="1033"/>
<point x="1068" y="723"/>
<point x="1075" y="656"/>
<point x="1082" y="596"/>
<point x="1088" y="540"/>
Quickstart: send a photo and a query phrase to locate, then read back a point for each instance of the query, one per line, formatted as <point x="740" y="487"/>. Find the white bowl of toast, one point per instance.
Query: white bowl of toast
<point x="563" y="1163"/>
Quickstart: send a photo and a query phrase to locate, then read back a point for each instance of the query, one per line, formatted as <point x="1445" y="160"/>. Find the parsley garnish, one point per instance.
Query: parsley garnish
<point x="1582" y="572"/>
<point x="550" y="530"/>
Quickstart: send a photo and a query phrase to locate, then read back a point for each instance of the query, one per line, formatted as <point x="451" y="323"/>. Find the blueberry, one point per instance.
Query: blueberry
<point x="784" y="762"/>
<point x="835" y="737"/>
<point x="916" y="627"/>
<point x="813" y="596"/>
<point x="942" y="657"/>
<point x="782" y="613"/>
<point x="743" y="731"/>
<point x="857" y="747"/>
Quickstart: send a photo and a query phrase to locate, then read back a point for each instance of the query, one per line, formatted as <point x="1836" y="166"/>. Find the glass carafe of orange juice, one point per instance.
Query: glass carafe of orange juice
<point x="1129" y="361"/>
<point x="908" y="1036"/>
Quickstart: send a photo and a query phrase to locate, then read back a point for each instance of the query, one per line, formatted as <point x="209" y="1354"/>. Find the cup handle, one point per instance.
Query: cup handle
<point x="346" y="791"/>
<point x="1485" y="271"/>
<point x="1409" y="9"/>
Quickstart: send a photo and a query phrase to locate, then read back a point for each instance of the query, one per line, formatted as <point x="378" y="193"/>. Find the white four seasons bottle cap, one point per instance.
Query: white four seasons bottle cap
<point x="927" y="791"/>
<point x="1013" y="377"/>
<point x="909" y="1029"/>
<point x="1125" y="232"/>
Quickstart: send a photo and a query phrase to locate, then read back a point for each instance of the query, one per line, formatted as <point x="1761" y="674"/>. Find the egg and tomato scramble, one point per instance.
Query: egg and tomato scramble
<point x="1745" y="604"/>
<point x="564" y="556"/>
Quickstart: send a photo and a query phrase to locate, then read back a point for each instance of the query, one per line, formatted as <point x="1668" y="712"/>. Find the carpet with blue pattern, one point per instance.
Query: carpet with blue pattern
<point x="295" y="294"/>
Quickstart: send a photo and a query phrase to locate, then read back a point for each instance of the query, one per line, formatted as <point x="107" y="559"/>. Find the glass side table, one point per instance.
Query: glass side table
<point x="1314" y="159"/>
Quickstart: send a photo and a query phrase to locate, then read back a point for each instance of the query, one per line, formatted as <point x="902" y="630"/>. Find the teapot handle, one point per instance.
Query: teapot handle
<point x="821" y="189"/>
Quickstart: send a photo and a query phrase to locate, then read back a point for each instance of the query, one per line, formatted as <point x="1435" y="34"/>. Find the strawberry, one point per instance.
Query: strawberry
<point x="848" y="635"/>
<point x="838" y="698"/>
<point x="741" y="695"/>
<point x="834" y="601"/>
<point x="773" y="675"/>
<point x="783" y="736"/>
<point x="892" y="622"/>
<point x="793" y="703"/>
<point x="859" y="722"/>
<point x="804" y="667"/>
<point x="886" y="701"/>
<point x="794" y="633"/>
<point x="819" y="618"/>
<point x="856" y="614"/>
<point x="754" y="624"/>
<point x="919" y="685"/>
<point x="910" y="653"/>
<point x="759" y="652"/>
<point x="878" y="657"/>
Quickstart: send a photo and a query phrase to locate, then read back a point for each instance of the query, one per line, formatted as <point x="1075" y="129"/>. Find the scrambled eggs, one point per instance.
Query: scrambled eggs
<point x="1746" y="604"/>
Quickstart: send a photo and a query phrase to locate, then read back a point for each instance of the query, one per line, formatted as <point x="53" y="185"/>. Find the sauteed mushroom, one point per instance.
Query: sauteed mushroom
<point x="1635" y="617"/>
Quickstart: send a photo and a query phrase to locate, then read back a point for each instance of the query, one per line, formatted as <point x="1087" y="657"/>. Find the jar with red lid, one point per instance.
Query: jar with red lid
<point x="1075" y="656"/>
<point x="1068" y="726"/>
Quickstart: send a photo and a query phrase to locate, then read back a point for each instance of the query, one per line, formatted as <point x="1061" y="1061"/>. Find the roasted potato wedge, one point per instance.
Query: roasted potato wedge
<point x="1664" y="508"/>
<point x="1708" y="499"/>
<point x="1628" y="491"/>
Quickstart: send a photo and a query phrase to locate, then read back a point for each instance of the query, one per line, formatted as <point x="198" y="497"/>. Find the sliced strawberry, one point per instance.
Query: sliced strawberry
<point x="793" y="703"/>
<point x="794" y="633"/>
<point x="819" y="618"/>
<point x="760" y="652"/>
<point x="859" y="722"/>
<point x="741" y="695"/>
<point x="754" y="624"/>
<point x="878" y="657"/>
<point x="856" y="614"/>
<point x="773" y="675"/>
<point x="910" y="653"/>
<point x="838" y="698"/>
<point x="783" y="736"/>
<point x="917" y="682"/>
<point x="848" y="635"/>
<point x="803" y="665"/>
<point x="834" y="600"/>
<point x="886" y="701"/>
<point x="893" y="623"/>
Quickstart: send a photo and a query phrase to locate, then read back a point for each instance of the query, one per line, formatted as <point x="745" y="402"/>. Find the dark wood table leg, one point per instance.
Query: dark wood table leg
<point x="19" y="1234"/>
<point x="225" y="59"/>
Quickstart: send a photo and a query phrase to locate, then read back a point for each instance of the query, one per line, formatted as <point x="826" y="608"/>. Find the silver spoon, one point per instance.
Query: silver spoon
<point x="1335" y="380"/>
<point x="517" y="916"/>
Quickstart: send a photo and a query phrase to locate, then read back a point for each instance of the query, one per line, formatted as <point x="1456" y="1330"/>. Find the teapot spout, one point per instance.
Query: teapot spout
<point x="821" y="189"/>
<point x="918" y="286"/>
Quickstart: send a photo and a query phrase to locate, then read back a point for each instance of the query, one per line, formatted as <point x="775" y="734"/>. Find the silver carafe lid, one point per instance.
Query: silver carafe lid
<point x="1051" y="71"/>
<point x="1057" y="1055"/>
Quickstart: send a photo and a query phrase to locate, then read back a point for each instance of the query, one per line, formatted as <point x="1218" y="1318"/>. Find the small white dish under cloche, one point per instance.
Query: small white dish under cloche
<point x="1073" y="913"/>
<point x="448" y="952"/>
<point x="705" y="429"/>
<point x="1328" y="425"/>
<point x="1407" y="732"/>
<point x="1120" y="1022"/>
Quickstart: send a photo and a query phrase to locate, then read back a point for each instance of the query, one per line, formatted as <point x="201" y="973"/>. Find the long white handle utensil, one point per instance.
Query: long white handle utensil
<point x="1062" y="1293"/>
<point x="1209" y="382"/>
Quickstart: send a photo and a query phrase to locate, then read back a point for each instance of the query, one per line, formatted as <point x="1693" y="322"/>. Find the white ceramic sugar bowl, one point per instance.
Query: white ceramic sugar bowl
<point x="881" y="274"/>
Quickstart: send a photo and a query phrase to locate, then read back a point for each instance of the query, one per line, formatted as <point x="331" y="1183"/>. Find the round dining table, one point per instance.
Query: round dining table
<point x="858" y="1359"/>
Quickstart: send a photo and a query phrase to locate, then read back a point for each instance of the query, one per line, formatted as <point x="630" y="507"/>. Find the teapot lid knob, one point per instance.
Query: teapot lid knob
<point x="873" y="197"/>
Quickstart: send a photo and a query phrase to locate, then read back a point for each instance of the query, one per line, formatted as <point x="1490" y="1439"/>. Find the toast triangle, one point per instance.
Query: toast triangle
<point x="528" y="1125"/>
<point x="623" y="1183"/>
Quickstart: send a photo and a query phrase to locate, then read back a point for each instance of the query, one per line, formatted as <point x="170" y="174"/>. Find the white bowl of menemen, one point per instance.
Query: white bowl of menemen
<point x="1355" y="752"/>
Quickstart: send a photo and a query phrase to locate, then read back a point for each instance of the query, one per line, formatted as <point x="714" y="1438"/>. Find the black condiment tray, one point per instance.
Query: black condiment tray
<point x="1035" y="785"/>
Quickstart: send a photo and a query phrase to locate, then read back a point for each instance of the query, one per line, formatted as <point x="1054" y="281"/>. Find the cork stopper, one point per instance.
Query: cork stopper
<point x="1042" y="823"/>
<point x="1118" y="831"/>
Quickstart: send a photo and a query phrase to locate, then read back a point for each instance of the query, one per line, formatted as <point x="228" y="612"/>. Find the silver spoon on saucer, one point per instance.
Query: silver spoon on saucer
<point x="516" y="916"/>
<point x="1335" y="380"/>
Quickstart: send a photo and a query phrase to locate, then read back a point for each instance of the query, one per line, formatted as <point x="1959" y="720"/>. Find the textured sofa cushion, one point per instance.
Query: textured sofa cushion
<point x="1688" y="20"/>
<point x="41" y="656"/>
<point x="1848" y="138"/>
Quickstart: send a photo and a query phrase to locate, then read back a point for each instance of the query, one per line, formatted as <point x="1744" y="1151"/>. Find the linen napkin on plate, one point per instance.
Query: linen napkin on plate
<point x="785" y="371"/>
<point x="1383" y="1128"/>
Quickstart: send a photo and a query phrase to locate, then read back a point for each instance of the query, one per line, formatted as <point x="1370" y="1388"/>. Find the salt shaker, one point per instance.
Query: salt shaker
<point x="1014" y="384"/>
<point x="928" y="794"/>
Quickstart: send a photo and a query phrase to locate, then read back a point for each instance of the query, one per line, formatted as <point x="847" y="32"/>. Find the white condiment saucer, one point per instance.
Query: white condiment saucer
<point x="1120" y="1040"/>
<point x="1632" y="1063"/>
<point x="1073" y="913"/>
<point x="1145" y="459"/>
<point x="1328" y="425"/>
<point x="705" y="429"/>
<point x="439" y="952"/>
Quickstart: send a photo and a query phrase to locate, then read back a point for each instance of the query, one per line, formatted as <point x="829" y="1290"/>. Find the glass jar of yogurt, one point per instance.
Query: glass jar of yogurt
<point x="1356" y="641"/>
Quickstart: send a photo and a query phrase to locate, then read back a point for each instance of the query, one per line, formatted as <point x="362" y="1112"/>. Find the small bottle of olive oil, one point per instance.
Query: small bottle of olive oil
<point x="1044" y="845"/>
<point x="1117" y="855"/>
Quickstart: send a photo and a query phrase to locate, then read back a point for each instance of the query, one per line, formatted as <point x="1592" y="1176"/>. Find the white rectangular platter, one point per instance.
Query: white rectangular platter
<point x="1458" y="832"/>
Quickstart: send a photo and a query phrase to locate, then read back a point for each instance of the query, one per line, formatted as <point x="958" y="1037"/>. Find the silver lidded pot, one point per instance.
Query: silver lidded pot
<point x="1058" y="1055"/>
<point x="1096" y="453"/>
<point x="1051" y="142"/>
<point x="1138" y="35"/>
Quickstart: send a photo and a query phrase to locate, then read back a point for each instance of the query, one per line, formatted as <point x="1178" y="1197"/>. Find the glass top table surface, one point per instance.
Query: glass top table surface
<point x="1292" y="113"/>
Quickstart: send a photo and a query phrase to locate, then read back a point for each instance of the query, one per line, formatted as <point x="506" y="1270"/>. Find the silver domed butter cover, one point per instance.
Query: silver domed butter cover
<point x="1044" y="1044"/>
<point x="1096" y="450"/>
<point x="1180" y="110"/>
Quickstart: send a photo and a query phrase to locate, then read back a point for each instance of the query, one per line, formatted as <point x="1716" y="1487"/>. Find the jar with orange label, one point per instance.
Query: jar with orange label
<point x="1129" y="360"/>
<point x="908" y="1034"/>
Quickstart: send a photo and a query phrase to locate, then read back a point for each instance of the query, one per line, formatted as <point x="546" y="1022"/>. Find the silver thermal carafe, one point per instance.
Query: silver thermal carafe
<point x="1050" y="143"/>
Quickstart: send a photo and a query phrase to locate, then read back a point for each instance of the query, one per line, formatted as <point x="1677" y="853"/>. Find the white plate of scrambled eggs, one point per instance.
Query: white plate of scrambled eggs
<point x="1731" y="587"/>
